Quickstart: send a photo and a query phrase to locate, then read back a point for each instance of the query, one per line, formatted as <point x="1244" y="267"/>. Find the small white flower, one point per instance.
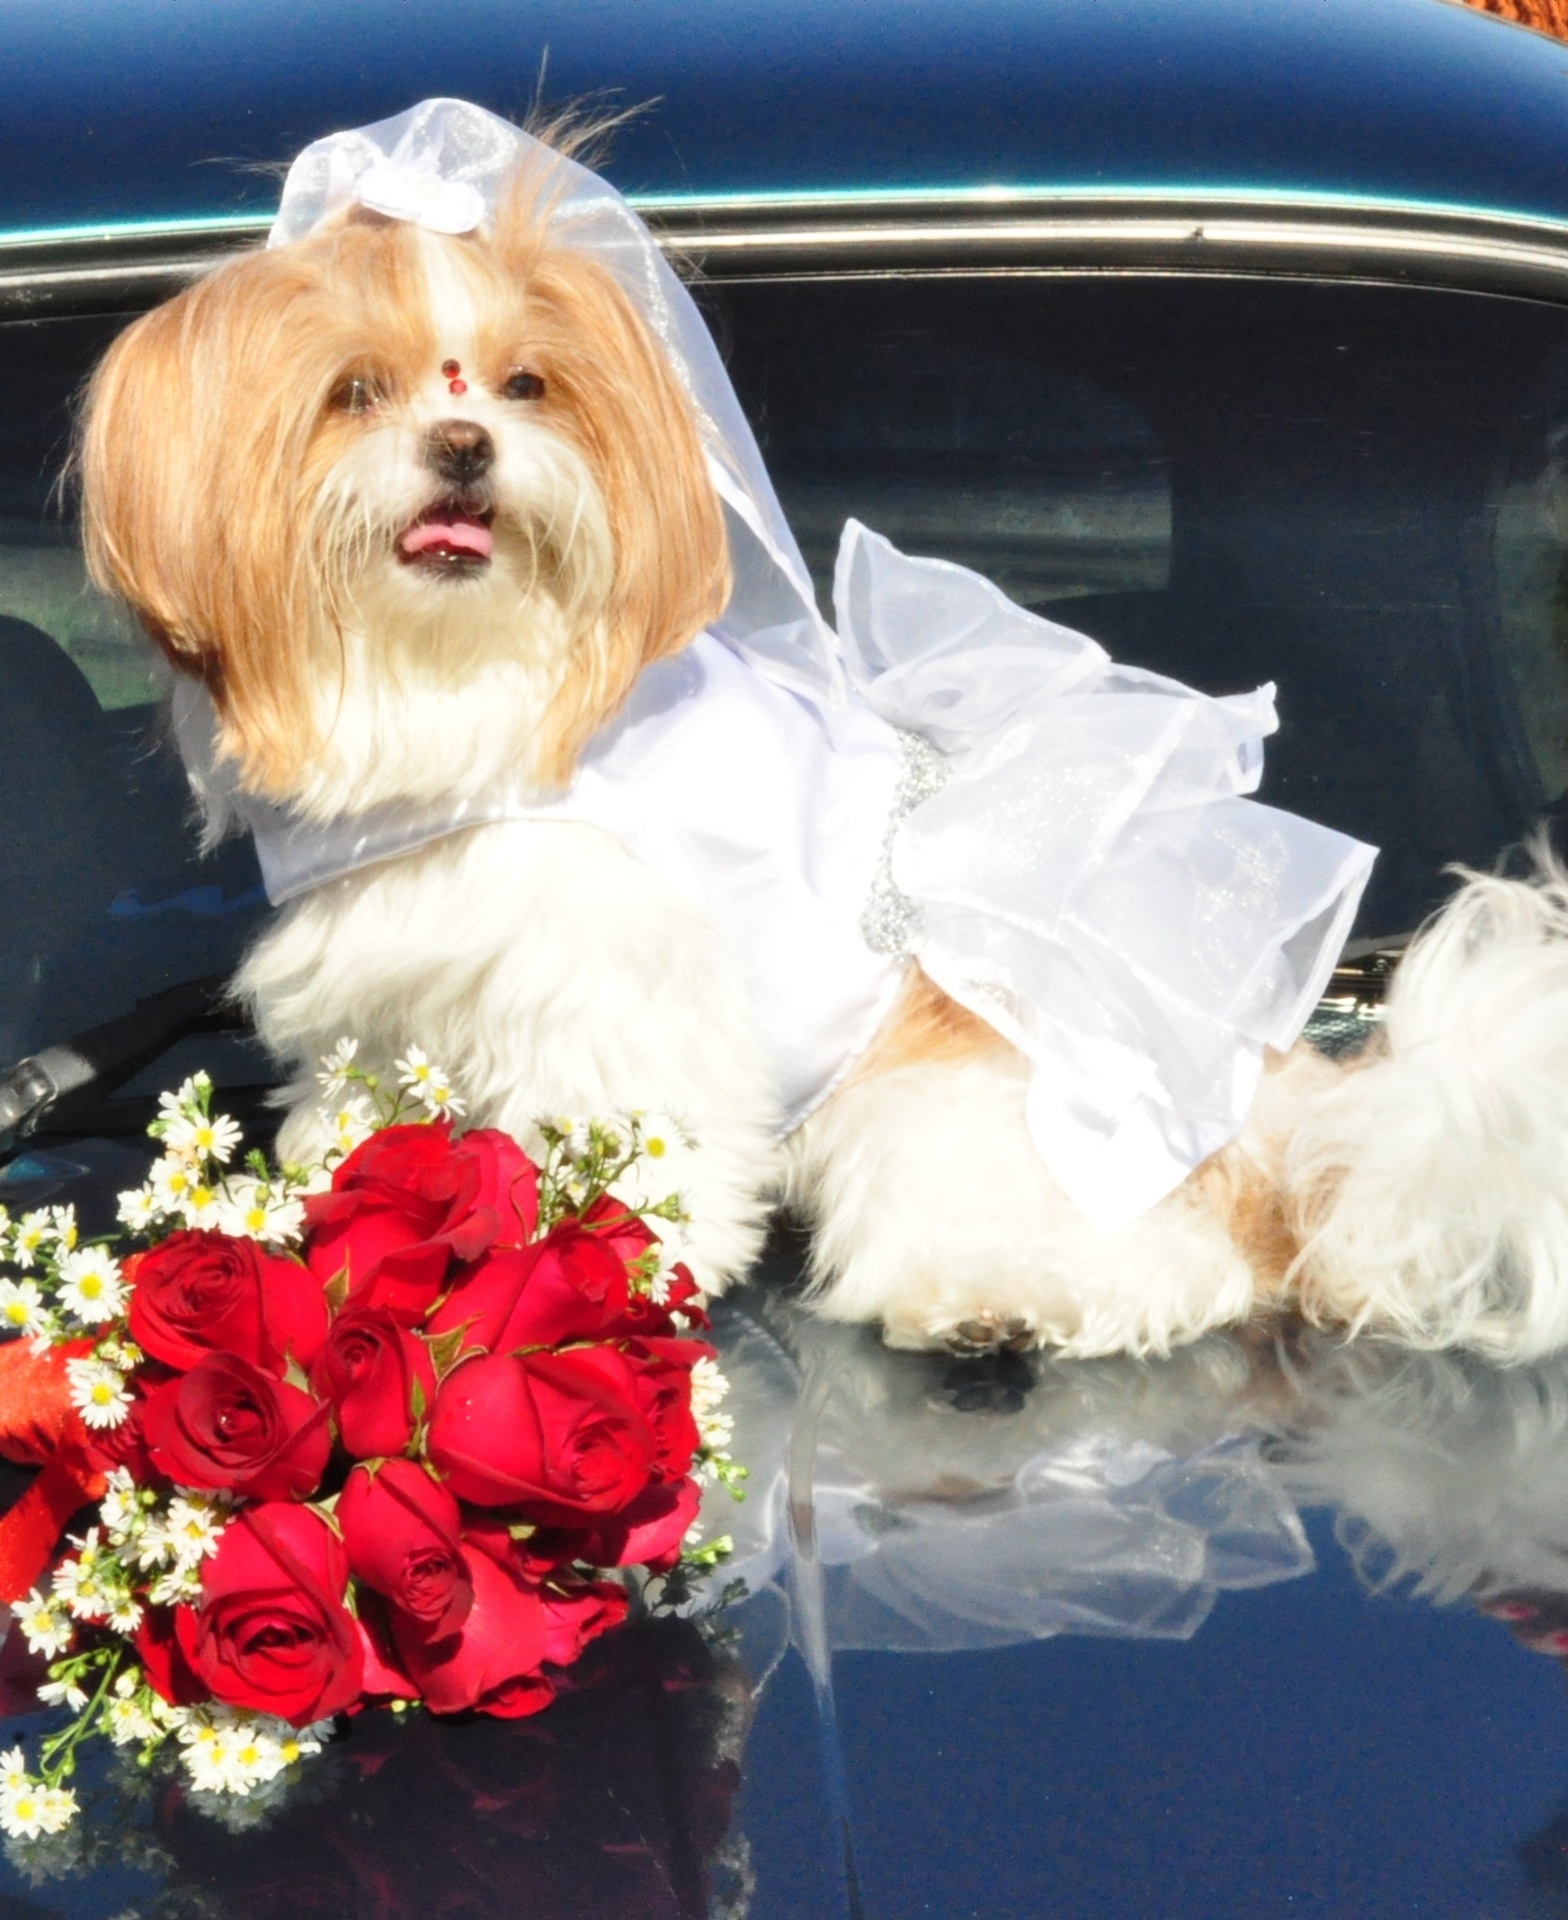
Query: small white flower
<point x="258" y="1210"/>
<point x="60" y="1809"/>
<point x="120" y="1509"/>
<point x="91" y="1289"/>
<point x="125" y="1611"/>
<point x="192" y="1530"/>
<point x="98" y="1392"/>
<point x="201" y="1205"/>
<point x="62" y="1222"/>
<point x="22" y="1307"/>
<point x="33" y="1232"/>
<point x="335" y="1068"/>
<point x="62" y="1693"/>
<point x="171" y="1181"/>
<point x="129" y="1722"/>
<point x="438" y="1098"/>
<point x="13" y="1769"/>
<point x="138" y="1208"/>
<point x="45" y="1627"/>
<point x="180" y="1583"/>
<point x="22" y="1811"/>
<point x="416" y="1070"/>
<point x="198" y="1137"/>
<point x="349" y="1123"/>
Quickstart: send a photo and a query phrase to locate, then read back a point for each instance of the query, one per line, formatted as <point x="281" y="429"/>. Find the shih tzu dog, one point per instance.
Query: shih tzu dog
<point x="422" y="508"/>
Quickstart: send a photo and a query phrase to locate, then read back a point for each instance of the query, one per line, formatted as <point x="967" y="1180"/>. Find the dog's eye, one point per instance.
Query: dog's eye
<point x="520" y="384"/>
<point x="357" y="394"/>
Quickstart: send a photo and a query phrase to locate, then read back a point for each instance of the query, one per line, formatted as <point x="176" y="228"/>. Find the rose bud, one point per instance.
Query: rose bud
<point x="379" y="1378"/>
<point x="401" y="1209"/>
<point x="492" y="1661"/>
<point x="648" y="1533"/>
<point x="227" y="1424"/>
<point x="558" y="1434"/>
<point x="272" y="1632"/>
<point x="577" y="1611"/>
<point x="508" y="1184"/>
<point x="568" y="1286"/>
<point x="402" y="1533"/>
<point x="198" y="1293"/>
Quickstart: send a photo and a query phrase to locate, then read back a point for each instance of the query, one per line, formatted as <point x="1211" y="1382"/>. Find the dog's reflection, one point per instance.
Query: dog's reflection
<point x="973" y="1504"/>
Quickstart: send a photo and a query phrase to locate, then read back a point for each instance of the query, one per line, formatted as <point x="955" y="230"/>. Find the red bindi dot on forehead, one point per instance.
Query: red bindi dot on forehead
<point x="457" y="386"/>
<point x="451" y="368"/>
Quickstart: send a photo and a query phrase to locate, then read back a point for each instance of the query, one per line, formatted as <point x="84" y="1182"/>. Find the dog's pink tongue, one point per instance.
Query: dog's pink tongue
<point x="459" y="532"/>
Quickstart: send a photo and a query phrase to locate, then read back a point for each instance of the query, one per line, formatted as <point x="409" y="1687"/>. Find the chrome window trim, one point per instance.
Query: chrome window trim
<point x="110" y="268"/>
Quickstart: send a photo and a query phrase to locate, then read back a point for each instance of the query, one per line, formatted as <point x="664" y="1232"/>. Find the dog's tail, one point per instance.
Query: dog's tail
<point x="1428" y="1186"/>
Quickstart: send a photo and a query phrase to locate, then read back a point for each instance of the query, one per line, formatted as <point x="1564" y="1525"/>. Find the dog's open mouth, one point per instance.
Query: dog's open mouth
<point x="452" y="535"/>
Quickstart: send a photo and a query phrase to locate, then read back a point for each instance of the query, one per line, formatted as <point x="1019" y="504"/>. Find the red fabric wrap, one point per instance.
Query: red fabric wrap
<point x="40" y="1427"/>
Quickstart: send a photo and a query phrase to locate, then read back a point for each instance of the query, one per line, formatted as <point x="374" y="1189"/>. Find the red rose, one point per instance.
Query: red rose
<point x="661" y="1376"/>
<point x="198" y="1293"/>
<point x="559" y="1434"/>
<point x="508" y="1184"/>
<point x="379" y="1378"/>
<point x="401" y="1209"/>
<point x="402" y="1534"/>
<point x="577" y="1611"/>
<point x="272" y="1632"/>
<point x="627" y="1234"/>
<point x="492" y="1661"/>
<point x="569" y="1286"/>
<point x="648" y="1533"/>
<point x="168" y="1672"/>
<point x="228" y="1424"/>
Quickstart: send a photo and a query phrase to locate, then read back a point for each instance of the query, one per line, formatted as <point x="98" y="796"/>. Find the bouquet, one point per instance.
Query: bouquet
<point x="398" y="1426"/>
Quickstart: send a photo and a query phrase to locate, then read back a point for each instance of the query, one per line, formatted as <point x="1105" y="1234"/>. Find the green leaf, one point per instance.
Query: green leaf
<point x="445" y="1349"/>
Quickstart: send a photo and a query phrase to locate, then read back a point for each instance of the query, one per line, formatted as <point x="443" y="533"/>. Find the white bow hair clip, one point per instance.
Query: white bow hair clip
<point x="437" y="166"/>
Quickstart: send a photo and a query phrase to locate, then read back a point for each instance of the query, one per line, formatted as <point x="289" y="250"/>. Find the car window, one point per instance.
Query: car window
<point x="103" y="898"/>
<point x="1358" y="492"/>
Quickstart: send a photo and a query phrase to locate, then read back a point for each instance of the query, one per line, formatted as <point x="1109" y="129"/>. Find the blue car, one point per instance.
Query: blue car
<point x="1234" y="334"/>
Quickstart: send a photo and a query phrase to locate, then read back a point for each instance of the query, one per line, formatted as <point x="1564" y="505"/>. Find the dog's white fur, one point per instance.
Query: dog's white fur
<point x="1425" y="1190"/>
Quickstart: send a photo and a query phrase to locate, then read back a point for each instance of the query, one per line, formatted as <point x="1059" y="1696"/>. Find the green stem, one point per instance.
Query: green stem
<point x="66" y="1742"/>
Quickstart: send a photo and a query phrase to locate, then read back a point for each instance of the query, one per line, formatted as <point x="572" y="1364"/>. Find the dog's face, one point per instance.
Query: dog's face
<point x="381" y="464"/>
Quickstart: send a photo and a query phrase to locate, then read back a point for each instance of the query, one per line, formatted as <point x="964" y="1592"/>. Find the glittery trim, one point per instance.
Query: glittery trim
<point x="891" y="918"/>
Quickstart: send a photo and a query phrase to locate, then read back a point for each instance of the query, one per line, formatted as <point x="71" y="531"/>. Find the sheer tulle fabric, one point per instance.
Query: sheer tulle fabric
<point x="1091" y="878"/>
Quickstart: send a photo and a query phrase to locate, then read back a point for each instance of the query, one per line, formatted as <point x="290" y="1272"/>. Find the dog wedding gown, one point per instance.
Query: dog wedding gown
<point x="1063" y="844"/>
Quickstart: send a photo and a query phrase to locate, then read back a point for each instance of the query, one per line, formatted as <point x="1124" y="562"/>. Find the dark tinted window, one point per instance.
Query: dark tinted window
<point x="102" y="898"/>
<point x="1358" y="492"/>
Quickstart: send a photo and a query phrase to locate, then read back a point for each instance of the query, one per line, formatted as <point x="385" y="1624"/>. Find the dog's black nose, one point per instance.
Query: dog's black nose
<point x="460" y="451"/>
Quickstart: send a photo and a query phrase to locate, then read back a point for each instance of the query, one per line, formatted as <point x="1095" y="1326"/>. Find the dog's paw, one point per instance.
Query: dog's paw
<point x="977" y="1334"/>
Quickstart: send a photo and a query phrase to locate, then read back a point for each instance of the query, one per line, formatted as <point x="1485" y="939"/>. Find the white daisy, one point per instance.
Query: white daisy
<point x="130" y="1722"/>
<point x="200" y="1207"/>
<point x="138" y="1208"/>
<point x="22" y="1307"/>
<point x="62" y="1693"/>
<point x="349" y="1123"/>
<point x="13" y="1769"/>
<point x="45" y="1627"/>
<point x="199" y="1136"/>
<point x="258" y="1210"/>
<point x="334" y="1075"/>
<point x="192" y="1530"/>
<point x="171" y="1181"/>
<point x="33" y="1232"/>
<point x="22" y="1811"/>
<point x="98" y="1392"/>
<point x="438" y="1097"/>
<point x="91" y="1290"/>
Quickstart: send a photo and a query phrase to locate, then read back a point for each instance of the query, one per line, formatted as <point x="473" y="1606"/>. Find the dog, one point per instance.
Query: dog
<point x="421" y="510"/>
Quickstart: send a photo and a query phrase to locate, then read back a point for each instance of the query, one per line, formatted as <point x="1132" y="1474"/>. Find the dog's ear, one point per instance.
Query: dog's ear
<point x="191" y="452"/>
<point x="614" y="393"/>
